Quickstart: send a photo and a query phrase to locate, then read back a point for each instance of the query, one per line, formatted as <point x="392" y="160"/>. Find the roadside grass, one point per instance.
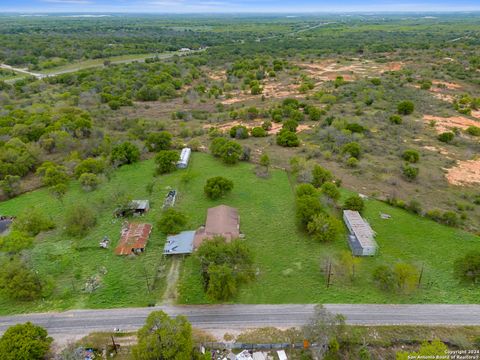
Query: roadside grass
<point x="288" y="261"/>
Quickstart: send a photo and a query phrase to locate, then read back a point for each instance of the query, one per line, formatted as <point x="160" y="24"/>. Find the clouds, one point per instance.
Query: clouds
<point x="69" y="2"/>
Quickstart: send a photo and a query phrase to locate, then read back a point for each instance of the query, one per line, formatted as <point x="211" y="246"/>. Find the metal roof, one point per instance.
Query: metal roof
<point x="179" y="244"/>
<point x="360" y="228"/>
<point x="223" y="221"/>
<point x="134" y="237"/>
<point x="140" y="204"/>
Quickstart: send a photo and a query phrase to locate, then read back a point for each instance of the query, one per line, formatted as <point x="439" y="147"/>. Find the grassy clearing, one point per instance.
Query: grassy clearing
<point x="288" y="262"/>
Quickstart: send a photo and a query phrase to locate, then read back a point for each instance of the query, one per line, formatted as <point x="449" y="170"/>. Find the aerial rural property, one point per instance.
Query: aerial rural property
<point x="242" y="180"/>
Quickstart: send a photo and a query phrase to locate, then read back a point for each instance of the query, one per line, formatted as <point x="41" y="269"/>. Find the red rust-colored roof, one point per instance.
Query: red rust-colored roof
<point x="134" y="237"/>
<point x="223" y="221"/>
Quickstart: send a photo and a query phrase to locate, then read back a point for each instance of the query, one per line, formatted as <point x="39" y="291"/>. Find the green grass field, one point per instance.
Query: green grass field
<point x="288" y="262"/>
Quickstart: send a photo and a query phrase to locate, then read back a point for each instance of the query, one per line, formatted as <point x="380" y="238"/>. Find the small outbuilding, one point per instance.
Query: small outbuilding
<point x="184" y="158"/>
<point x="133" y="239"/>
<point x="179" y="244"/>
<point x="134" y="208"/>
<point x="5" y="223"/>
<point x="361" y="238"/>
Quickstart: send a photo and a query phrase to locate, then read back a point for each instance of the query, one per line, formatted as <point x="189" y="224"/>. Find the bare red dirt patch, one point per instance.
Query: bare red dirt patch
<point x="465" y="173"/>
<point x="443" y="124"/>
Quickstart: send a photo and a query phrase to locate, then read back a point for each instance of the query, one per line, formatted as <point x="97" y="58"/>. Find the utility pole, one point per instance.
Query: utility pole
<point x="114" y="345"/>
<point x="421" y="275"/>
<point x="329" y="273"/>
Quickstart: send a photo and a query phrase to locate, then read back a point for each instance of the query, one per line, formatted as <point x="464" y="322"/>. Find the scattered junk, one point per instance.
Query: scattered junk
<point x="363" y="197"/>
<point x="134" y="238"/>
<point x="170" y="199"/>
<point x="105" y="242"/>
<point x="184" y="158"/>
<point x="133" y="208"/>
<point x="181" y="243"/>
<point x="244" y="355"/>
<point x="361" y="237"/>
<point x="385" y="216"/>
<point x="5" y="223"/>
<point x="222" y="221"/>
<point x="92" y="284"/>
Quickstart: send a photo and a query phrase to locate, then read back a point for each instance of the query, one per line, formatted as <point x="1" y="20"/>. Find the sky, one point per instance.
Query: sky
<point x="235" y="6"/>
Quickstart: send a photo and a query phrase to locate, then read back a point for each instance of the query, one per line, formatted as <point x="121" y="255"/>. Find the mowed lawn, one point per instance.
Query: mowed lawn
<point x="288" y="261"/>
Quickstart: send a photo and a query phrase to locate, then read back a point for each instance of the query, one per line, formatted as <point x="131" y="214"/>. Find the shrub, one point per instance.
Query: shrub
<point x="410" y="172"/>
<point x="384" y="277"/>
<point x="259" y="132"/>
<point x="446" y="137"/>
<point x="473" y="130"/>
<point x="90" y="165"/>
<point x="320" y="176"/>
<point x="412" y="156"/>
<point x="405" y="107"/>
<point x="330" y="190"/>
<point x="89" y="181"/>
<point x="355" y="128"/>
<point x="217" y="187"/>
<point x="352" y="162"/>
<point x="18" y="281"/>
<point x="354" y="203"/>
<point x="353" y="149"/>
<point x="307" y="206"/>
<point x="15" y="242"/>
<point x="159" y="141"/>
<point x="267" y="125"/>
<point x="467" y="268"/>
<point x="290" y="125"/>
<point x="126" y="153"/>
<point x="324" y="228"/>
<point x="32" y="222"/>
<point x="396" y="119"/>
<point x="376" y="81"/>
<point x="231" y="152"/>
<point x="287" y="138"/>
<point x="305" y="190"/>
<point x="172" y="221"/>
<point x="166" y="161"/>
<point x="79" y="219"/>
<point x="239" y="132"/>
<point x="25" y="341"/>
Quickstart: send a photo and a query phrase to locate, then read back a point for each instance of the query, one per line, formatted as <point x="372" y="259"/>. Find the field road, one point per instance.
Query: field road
<point x="76" y="323"/>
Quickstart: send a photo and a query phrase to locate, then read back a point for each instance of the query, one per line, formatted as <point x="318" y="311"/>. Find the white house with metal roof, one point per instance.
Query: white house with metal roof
<point x="361" y="238"/>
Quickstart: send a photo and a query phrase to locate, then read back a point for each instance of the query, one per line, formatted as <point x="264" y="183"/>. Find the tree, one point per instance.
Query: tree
<point x="89" y="181"/>
<point x="216" y="146"/>
<point x="10" y="185"/>
<point x="320" y="175"/>
<point x="446" y="137"/>
<point x="412" y="156"/>
<point x="355" y="203"/>
<point x="166" y="161"/>
<point x="217" y="187"/>
<point x="239" y="132"/>
<point x="307" y="207"/>
<point x="147" y="93"/>
<point x="384" y="277"/>
<point x="172" y="221"/>
<point x="159" y="141"/>
<point x="259" y="132"/>
<point x="410" y="172"/>
<point x="221" y="284"/>
<point x="15" y="242"/>
<point x="52" y="174"/>
<point x="290" y="125"/>
<point x="330" y="190"/>
<point x="305" y="190"/>
<point x="164" y="338"/>
<point x="287" y="138"/>
<point x="126" y="153"/>
<point x="33" y="221"/>
<point x="25" y="342"/>
<point x="324" y="228"/>
<point x="90" y="165"/>
<point x="429" y="350"/>
<point x="406" y="276"/>
<point x="405" y="107"/>
<point x="79" y="219"/>
<point x="18" y="281"/>
<point x="467" y="268"/>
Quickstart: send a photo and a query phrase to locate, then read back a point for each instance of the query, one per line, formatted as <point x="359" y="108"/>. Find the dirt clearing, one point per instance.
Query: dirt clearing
<point x="465" y="173"/>
<point x="443" y="124"/>
<point x="276" y="127"/>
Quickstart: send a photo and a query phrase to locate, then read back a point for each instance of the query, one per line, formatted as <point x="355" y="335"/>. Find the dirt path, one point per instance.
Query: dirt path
<point x="170" y="295"/>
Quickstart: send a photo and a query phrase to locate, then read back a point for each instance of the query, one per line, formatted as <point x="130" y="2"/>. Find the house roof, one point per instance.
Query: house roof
<point x="179" y="244"/>
<point x="135" y="236"/>
<point x="223" y="221"/>
<point x="361" y="229"/>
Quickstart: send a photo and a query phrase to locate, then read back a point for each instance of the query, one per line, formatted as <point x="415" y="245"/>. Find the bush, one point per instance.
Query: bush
<point x="32" y="222"/>
<point x="290" y="125"/>
<point x="267" y="125"/>
<point x="353" y="149"/>
<point x="89" y="181"/>
<point x="166" y="161"/>
<point x="384" y="277"/>
<point x="396" y="119"/>
<point x="172" y="221"/>
<point x="410" y="172"/>
<point x="354" y="203"/>
<point x="159" y="141"/>
<point x="18" y="281"/>
<point x="405" y="107"/>
<point x="287" y="138"/>
<point x="126" y="153"/>
<point x="239" y="132"/>
<point x="412" y="156"/>
<point x="90" y="165"/>
<point x="467" y="268"/>
<point x="473" y="130"/>
<point x="355" y="128"/>
<point x="320" y="176"/>
<point x="352" y="162"/>
<point x="79" y="219"/>
<point x="324" y="228"/>
<point x="217" y="187"/>
<point x="305" y="190"/>
<point x="15" y="242"/>
<point x="259" y="132"/>
<point x="330" y="190"/>
<point x="446" y="137"/>
<point x="307" y="206"/>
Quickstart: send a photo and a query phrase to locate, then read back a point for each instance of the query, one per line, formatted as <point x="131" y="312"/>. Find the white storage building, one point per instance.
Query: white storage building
<point x="361" y="238"/>
<point x="184" y="158"/>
